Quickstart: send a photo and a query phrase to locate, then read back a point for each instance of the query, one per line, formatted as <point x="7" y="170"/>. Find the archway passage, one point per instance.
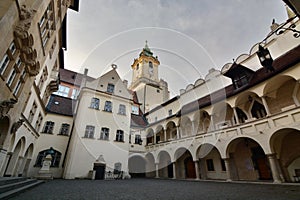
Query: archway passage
<point x="211" y="164"/>
<point x="137" y="167"/>
<point x="285" y="143"/>
<point x="249" y="161"/>
<point x="165" y="166"/>
<point x="185" y="167"/>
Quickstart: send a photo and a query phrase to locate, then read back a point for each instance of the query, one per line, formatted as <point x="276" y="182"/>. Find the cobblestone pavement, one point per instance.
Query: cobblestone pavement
<point x="143" y="189"/>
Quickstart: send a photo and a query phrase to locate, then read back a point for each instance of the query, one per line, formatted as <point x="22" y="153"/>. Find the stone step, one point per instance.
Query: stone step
<point x="9" y="180"/>
<point x="12" y="186"/>
<point x="13" y="192"/>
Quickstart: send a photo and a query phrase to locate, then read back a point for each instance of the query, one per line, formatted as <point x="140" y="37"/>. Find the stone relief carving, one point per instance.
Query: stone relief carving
<point x="5" y="106"/>
<point x="16" y="125"/>
<point x="25" y="41"/>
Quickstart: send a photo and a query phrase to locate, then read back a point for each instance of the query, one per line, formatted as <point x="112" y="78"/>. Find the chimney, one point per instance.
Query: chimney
<point x="83" y="81"/>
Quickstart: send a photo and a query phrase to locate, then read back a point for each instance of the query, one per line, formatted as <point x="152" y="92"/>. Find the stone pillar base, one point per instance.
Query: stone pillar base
<point x="44" y="175"/>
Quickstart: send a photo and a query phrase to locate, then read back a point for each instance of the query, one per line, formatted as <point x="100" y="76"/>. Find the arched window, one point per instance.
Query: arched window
<point x="258" y="110"/>
<point x="56" y="155"/>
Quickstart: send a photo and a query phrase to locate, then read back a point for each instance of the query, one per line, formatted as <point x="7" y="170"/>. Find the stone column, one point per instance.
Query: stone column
<point x="174" y="170"/>
<point x="193" y="128"/>
<point x="275" y="172"/>
<point x="197" y="169"/>
<point x="264" y="101"/>
<point x="228" y="169"/>
<point x="156" y="170"/>
<point x="178" y="132"/>
<point x="165" y="134"/>
<point x="236" y="116"/>
<point x="154" y="138"/>
<point x="296" y="101"/>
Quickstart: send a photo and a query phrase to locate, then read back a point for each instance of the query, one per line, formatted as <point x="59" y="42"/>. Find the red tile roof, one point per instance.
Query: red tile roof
<point x="72" y="77"/>
<point x="60" y="105"/>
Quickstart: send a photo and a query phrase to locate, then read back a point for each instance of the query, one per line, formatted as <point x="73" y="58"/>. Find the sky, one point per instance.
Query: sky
<point x="188" y="36"/>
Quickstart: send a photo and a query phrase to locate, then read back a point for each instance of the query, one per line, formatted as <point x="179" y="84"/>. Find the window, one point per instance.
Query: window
<point x="64" y="130"/>
<point x="74" y="93"/>
<point x="89" y="131"/>
<point x="170" y="112"/>
<point x="122" y="109"/>
<point x="240" y="80"/>
<point x="95" y="103"/>
<point x="43" y="78"/>
<point x="38" y="122"/>
<point x="138" y="139"/>
<point x="4" y="63"/>
<point x="11" y="77"/>
<point x="258" y="110"/>
<point x="12" y="48"/>
<point x="62" y="91"/>
<point x="210" y="165"/>
<point x="108" y="106"/>
<point x="110" y="88"/>
<point x="32" y="112"/>
<point x="104" y="134"/>
<point x="120" y="136"/>
<point x="56" y="156"/>
<point x="135" y="110"/>
<point x="46" y="24"/>
<point x="48" y="128"/>
<point x="17" y="88"/>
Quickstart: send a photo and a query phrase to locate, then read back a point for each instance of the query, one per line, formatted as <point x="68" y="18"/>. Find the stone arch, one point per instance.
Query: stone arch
<point x="246" y="101"/>
<point x="171" y="131"/>
<point x="160" y="134"/>
<point x="165" y="165"/>
<point x="201" y="121"/>
<point x="281" y="92"/>
<point x="4" y="128"/>
<point x="222" y="115"/>
<point x="150" y="137"/>
<point x="150" y="165"/>
<point x="185" y="126"/>
<point x="26" y="160"/>
<point x="137" y="166"/>
<point x="185" y="167"/>
<point x="212" y="166"/>
<point x="12" y="168"/>
<point x="285" y="144"/>
<point x="248" y="160"/>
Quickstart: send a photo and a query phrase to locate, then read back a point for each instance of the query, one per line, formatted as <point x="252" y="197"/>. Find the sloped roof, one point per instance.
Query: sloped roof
<point x="138" y="121"/>
<point x="72" y="77"/>
<point x="60" y="105"/>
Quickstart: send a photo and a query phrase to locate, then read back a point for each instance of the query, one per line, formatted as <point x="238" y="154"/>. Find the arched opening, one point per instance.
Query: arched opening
<point x="222" y="115"/>
<point x="212" y="166"/>
<point x="185" y="127"/>
<point x="150" y="137"/>
<point x="56" y="156"/>
<point x="242" y="117"/>
<point x="137" y="167"/>
<point x="4" y="126"/>
<point x="279" y="93"/>
<point x="160" y="135"/>
<point x="248" y="160"/>
<point x="202" y="122"/>
<point x="171" y="131"/>
<point x="15" y="159"/>
<point x="165" y="165"/>
<point x="258" y="110"/>
<point x="150" y="166"/>
<point x="185" y="166"/>
<point x="26" y="161"/>
<point x="285" y="143"/>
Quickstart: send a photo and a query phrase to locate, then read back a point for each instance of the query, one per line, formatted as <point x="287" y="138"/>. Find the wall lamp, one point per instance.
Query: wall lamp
<point x="265" y="58"/>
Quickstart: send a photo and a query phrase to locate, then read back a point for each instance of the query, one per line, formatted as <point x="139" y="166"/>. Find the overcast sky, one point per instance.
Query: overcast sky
<point x="188" y="36"/>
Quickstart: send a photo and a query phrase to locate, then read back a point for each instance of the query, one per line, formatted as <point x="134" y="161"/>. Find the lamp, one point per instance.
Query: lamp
<point x="265" y="58"/>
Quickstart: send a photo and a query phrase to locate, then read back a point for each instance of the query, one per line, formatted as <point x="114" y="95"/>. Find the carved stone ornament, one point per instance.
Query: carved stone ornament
<point x="16" y="125"/>
<point x="5" y="106"/>
<point x="25" y="40"/>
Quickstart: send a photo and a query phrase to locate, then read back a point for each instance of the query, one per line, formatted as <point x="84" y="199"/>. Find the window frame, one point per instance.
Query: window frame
<point x="104" y="134"/>
<point x="48" y="127"/>
<point x="89" y="132"/>
<point x="119" y="136"/>
<point x="95" y="103"/>
<point x="108" y="106"/>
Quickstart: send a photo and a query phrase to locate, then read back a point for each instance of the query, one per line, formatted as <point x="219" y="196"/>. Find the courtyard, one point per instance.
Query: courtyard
<point x="156" y="189"/>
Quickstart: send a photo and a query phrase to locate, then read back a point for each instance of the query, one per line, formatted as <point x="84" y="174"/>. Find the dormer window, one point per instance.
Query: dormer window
<point x="110" y="88"/>
<point x="240" y="80"/>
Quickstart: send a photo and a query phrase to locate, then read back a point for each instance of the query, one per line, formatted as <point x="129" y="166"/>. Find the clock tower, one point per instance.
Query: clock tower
<point x="151" y="91"/>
